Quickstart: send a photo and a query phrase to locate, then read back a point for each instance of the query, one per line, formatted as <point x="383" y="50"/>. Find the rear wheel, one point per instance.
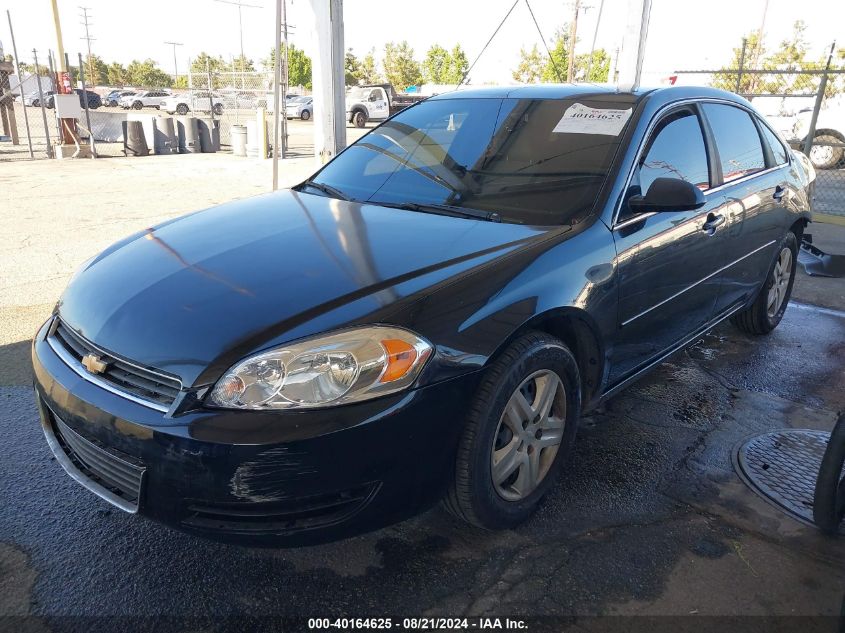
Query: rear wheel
<point x="359" y="119"/>
<point x="519" y="432"/>
<point x="182" y="109"/>
<point x="824" y="154"/>
<point x="767" y="310"/>
<point x="305" y="115"/>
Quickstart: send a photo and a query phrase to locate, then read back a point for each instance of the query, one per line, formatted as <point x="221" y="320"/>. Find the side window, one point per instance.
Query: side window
<point x="774" y="142"/>
<point x="736" y="139"/>
<point x="676" y="150"/>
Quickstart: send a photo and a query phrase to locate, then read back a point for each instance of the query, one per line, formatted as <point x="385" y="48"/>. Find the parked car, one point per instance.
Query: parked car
<point x="828" y="148"/>
<point x="375" y="103"/>
<point x="94" y="100"/>
<point x="427" y="317"/>
<point x="33" y="98"/>
<point x="144" y="99"/>
<point x="112" y="99"/>
<point x="198" y="101"/>
<point x="299" y="108"/>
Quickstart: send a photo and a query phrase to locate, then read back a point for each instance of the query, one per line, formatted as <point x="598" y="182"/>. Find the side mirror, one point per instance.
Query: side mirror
<point x="668" y="194"/>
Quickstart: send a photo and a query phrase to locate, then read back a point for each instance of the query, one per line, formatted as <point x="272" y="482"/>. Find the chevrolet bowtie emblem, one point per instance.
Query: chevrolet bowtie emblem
<point x="94" y="363"/>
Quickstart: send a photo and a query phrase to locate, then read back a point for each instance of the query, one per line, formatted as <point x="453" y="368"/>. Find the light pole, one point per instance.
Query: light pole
<point x="175" y="65"/>
<point x="240" y="6"/>
<point x="86" y="22"/>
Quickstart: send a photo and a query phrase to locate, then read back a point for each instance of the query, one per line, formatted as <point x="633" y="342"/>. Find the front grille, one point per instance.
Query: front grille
<point x="148" y="385"/>
<point x="280" y="517"/>
<point x="115" y="471"/>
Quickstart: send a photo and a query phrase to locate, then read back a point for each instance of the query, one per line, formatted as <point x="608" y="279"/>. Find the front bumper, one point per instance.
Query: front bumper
<point x="258" y="478"/>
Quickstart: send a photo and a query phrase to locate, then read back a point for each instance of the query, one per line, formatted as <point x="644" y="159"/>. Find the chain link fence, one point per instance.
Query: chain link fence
<point x="806" y="105"/>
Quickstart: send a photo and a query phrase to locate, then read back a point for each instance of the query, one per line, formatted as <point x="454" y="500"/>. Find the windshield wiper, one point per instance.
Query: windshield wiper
<point x="327" y="189"/>
<point x="442" y="209"/>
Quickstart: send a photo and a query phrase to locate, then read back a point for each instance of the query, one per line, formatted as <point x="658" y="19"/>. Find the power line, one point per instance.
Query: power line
<point x="551" y="59"/>
<point x="507" y="15"/>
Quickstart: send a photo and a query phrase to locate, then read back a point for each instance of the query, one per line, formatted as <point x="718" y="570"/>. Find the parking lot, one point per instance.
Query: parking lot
<point x="649" y="520"/>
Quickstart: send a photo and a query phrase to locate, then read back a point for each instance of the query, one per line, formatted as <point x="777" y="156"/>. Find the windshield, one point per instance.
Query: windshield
<point x="359" y="93"/>
<point x="531" y="161"/>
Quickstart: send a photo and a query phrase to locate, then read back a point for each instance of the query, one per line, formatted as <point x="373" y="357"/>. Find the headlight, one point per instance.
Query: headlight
<point x="349" y="366"/>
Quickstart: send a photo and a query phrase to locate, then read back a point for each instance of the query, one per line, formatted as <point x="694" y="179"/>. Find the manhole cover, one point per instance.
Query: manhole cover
<point x="782" y="467"/>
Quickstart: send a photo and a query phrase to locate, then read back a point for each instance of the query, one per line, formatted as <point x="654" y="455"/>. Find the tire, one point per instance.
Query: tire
<point x="218" y="109"/>
<point x="761" y="317"/>
<point x="473" y="496"/>
<point x="359" y="119"/>
<point x="824" y="157"/>
<point x="829" y="500"/>
<point x="181" y="109"/>
<point x="305" y="115"/>
<point x="35" y="103"/>
<point x="137" y="105"/>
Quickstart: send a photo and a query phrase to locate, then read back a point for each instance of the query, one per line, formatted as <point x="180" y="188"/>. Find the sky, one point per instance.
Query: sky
<point x="683" y="34"/>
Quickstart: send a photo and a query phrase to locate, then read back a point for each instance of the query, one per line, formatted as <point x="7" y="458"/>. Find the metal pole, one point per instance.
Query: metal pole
<point x="88" y="39"/>
<point x="41" y="102"/>
<point x="285" y="78"/>
<point x="277" y="63"/>
<point x="593" y="45"/>
<point x="811" y="132"/>
<point x="20" y="84"/>
<point x="175" y="65"/>
<point x="210" y="97"/>
<point x="573" y="30"/>
<point x="741" y="67"/>
<point x="59" y="135"/>
<point x="87" y="115"/>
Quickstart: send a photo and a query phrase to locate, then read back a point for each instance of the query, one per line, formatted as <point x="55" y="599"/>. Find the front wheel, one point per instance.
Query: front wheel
<point x="767" y="310"/>
<point x="825" y="152"/>
<point x="359" y="119"/>
<point x="137" y="105"/>
<point x="181" y="109"/>
<point x="305" y="115"/>
<point x="218" y="109"/>
<point x="829" y="500"/>
<point x="518" y="434"/>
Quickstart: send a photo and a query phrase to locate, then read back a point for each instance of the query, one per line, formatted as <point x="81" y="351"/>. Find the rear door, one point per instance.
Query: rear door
<point x="666" y="261"/>
<point x="755" y="187"/>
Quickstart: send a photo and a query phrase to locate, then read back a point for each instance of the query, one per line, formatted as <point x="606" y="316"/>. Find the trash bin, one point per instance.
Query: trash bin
<point x="239" y="140"/>
<point x="254" y="143"/>
<point x="165" y="136"/>
<point x="209" y="133"/>
<point x="188" y="133"/>
<point x="134" y="140"/>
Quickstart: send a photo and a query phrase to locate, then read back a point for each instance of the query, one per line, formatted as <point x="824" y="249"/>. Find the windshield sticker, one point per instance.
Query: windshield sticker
<point x="581" y="119"/>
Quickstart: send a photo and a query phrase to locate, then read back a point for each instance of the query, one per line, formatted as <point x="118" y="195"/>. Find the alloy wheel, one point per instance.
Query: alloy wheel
<point x="528" y="435"/>
<point x="781" y="274"/>
<point x="821" y="155"/>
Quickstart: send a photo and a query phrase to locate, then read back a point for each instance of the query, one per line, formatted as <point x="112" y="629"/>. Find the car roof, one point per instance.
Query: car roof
<point x="661" y="94"/>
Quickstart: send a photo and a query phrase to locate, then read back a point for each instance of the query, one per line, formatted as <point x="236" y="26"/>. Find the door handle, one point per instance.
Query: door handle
<point x="714" y="221"/>
<point x="780" y="190"/>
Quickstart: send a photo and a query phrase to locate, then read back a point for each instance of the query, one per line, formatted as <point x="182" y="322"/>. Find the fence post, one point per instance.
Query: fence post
<point x="210" y="96"/>
<point x="741" y="66"/>
<point x="811" y="131"/>
<point x="87" y="114"/>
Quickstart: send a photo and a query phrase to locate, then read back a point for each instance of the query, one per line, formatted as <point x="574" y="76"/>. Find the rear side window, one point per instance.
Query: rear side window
<point x="676" y="150"/>
<point x="778" y="150"/>
<point x="736" y="139"/>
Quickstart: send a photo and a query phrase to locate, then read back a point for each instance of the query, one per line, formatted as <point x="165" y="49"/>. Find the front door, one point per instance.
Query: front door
<point x="667" y="261"/>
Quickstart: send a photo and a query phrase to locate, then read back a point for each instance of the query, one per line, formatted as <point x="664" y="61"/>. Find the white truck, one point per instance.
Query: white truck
<point x="828" y="148"/>
<point x="375" y="103"/>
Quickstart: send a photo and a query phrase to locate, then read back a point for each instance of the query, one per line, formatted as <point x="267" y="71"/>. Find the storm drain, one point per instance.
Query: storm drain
<point x="782" y="467"/>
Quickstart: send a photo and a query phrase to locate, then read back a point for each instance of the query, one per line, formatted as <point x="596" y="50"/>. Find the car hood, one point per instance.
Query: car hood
<point x="196" y="294"/>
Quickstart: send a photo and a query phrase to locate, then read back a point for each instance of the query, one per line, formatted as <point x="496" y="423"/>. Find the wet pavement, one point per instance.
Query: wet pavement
<point x="649" y="519"/>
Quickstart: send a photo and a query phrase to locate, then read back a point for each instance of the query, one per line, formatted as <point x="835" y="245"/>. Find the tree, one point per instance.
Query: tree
<point x="367" y="71"/>
<point x="557" y="66"/>
<point x="458" y="66"/>
<point x="96" y="71"/>
<point x="148" y="74"/>
<point x="204" y="61"/>
<point x="352" y="68"/>
<point x="436" y="65"/>
<point x="599" y="69"/>
<point x="116" y="74"/>
<point x="530" y="67"/>
<point x="400" y="67"/>
<point x="242" y="64"/>
<point x="299" y="67"/>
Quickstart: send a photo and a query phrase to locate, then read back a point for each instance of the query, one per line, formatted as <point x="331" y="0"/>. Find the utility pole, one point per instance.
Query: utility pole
<point x="86" y="23"/>
<point x="175" y="65"/>
<point x="593" y="45"/>
<point x="240" y="6"/>
<point x="573" y="33"/>
<point x="67" y="126"/>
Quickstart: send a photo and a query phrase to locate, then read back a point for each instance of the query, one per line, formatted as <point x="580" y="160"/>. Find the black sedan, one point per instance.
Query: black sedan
<point x="94" y="100"/>
<point x="424" y="319"/>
